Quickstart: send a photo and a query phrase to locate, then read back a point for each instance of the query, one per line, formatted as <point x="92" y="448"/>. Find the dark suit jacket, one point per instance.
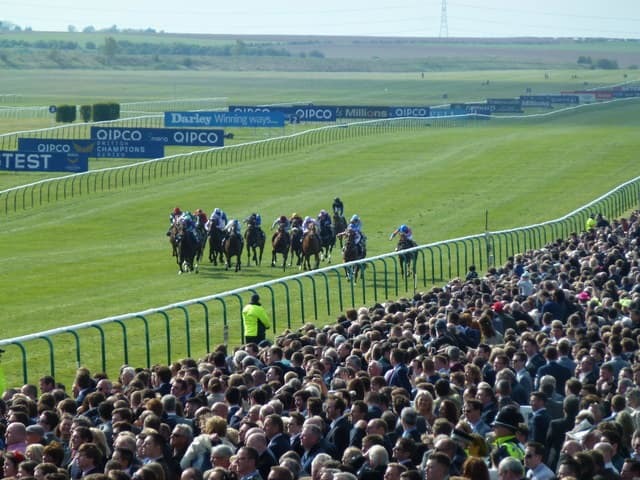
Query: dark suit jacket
<point x="400" y="378"/>
<point x="539" y="425"/>
<point x="338" y="435"/>
<point x="163" y="389"/>
<point x="307" y="458"/>
<point x="265" y="462"/>
<point x="556" y="370"/>
<point x="280" y="444"/>
<point x="555" y="439"/>
<point x="355" y="437"/>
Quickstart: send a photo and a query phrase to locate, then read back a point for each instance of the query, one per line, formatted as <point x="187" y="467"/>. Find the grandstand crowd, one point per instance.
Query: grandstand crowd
<point x="528" y="370"/>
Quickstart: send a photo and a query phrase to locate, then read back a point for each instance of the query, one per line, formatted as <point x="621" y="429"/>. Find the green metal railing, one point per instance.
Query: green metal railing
<point x="192" y="328"/>
<point x="112" y="179"/>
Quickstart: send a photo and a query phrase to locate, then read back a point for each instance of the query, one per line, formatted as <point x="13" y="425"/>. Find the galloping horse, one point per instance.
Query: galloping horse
<point x="351" y="252"/>
<point x="254" y="238"/>
<point x="339" y="225"/>
<point x="296" y="245"/>
<point x="187" y="246"/>
<point x="173" y="232"/>
<point x="280" y="243"/>
<point x="216" y="252"/>
<point x="409" y="259"/>
<point x="202" y="238"/>
<point x="311" y="246"/>
<point x="327" y="242"/>
<point x="233" y="248"/>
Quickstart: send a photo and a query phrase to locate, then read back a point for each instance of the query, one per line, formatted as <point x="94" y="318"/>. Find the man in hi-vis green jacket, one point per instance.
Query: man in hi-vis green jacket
<point x="255" y="321"/>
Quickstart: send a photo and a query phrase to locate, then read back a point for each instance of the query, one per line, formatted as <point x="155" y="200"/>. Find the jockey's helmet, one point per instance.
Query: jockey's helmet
<point x="307" y="218"/>
<point x="403" y="229"/>
<point x="198" y="211"/>
<point x="337" y="199"/>
<point x="283" y="218"/>
<point x="323" y="212"/>
<point x="293" y="215"/>
<point x="355" y="218"/>
<point x="177" y="211"/>
<point x="216" y="211"/>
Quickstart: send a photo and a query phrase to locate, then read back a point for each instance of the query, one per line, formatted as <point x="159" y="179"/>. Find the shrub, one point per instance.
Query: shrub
<point x="106" y="111"/>
<point x="85" y="113"/>
<point x="66" y="113"/>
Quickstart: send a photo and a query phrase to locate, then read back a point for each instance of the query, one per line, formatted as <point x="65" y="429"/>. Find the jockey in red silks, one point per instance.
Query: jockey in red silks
<point x="173" y="218"/>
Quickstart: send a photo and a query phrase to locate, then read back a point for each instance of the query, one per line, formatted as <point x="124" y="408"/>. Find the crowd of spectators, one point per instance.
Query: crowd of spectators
<point x="527" y="370"/>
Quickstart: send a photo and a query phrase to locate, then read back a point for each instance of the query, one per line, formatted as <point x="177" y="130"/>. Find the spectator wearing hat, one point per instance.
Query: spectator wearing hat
<point x="255" y="321"/>
<point x="505" y="443"/>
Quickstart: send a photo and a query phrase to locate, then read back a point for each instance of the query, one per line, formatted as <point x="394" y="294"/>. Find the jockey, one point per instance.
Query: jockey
<point x="188" y="220"/>
<point x="254" y="219"/>
<point x="404" y="230"/>
<point x="338" y="207"/>
<point x="295" y="221"/>
<point x="308" y="225"/>
<point x="324" y="220"/>
<point x="202" y="217"/>
<point x="232" y="227"/>
<point x="218" y="219"/>
<point x="173" y="218"/>
<point x="281" y="222"/>
<point x="355" y="223"/>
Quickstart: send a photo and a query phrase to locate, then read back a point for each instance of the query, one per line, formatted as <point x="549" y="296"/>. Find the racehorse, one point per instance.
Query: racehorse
<point x="280" y="243"/>
<point x="202" y="238"/>
<point x="173" y="232"/>
<point x="409" y="259"/>
<point x="188" y="247"/>
<point x="352" y="251"/>
<point x="339" y="225"/>
<point x="311" y="247"/>
<point x="233" y="248"/>
<point x="327" y="242"/>
<point x="216" y="252"/>
<point x="254" y="238"/>
<point x="296" y="245"/>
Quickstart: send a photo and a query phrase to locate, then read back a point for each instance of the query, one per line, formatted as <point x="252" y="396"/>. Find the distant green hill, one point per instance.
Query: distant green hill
<point x="150" y="50"/>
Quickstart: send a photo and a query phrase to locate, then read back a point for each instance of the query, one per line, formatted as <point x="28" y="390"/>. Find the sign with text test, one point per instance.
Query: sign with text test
<point x="42" y="162"/>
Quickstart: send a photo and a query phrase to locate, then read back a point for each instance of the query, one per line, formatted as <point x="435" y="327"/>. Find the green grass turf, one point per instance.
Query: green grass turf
<point x="106" y="254"/>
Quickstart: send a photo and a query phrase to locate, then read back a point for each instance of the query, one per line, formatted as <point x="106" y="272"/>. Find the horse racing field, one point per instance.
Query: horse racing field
<point x="107" y="254"/>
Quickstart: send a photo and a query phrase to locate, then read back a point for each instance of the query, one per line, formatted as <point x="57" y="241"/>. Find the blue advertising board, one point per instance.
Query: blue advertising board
<point x="224" y="119"/>
<point x="396" y="112"/>
<point x="357" y="111"/>
<point x="565" y="99"/>
<point x="42" y="162"/>
<point x="504" y="101"/>
<point x="166" y="136"/>
<point x="299" y="113"/>
<point x="479" y="108"/>
<point x="536" y="101"/>
<point x="73" y="148"/>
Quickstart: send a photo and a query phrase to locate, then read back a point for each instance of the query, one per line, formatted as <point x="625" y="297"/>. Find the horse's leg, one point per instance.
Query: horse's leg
<point x="317" y="261"/>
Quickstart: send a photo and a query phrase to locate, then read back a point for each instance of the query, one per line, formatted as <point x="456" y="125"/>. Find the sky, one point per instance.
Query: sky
<point x="404" y="18"/>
